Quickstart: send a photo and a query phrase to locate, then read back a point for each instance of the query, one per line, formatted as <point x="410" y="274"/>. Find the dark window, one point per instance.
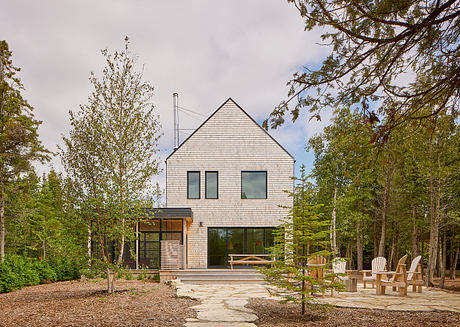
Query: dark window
<point x="193" y="184"/>
<point x="212" y="184"/>
<point x="237" y="240"/>
<point x="253" y="184"/>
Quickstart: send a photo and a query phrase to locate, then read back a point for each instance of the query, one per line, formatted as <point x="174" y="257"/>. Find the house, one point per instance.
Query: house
<point x="232" y="175"/>
<point x="224" y="187"/>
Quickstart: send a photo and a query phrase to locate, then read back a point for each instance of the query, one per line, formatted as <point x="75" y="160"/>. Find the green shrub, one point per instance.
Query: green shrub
<point x="45" y="271"/>
<point x="66" y="269"/>
<point x="19" y="271"/>
<point x="8" y="279"/>
<point x="90" y="273"/>
<point x="127" y="275"/>
<point x="24" y="269"/>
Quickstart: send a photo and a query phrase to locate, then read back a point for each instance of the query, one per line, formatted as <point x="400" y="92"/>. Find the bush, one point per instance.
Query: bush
<point x="46" y="272"/>
<point x="25" y="270"/>
<point x="8" y="279"/>
<point x="19" y="271"/>
<point x="66" y="269"/>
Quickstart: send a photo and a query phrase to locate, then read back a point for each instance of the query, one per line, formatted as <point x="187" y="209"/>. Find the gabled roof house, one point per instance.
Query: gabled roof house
<point x="225" y="183"/>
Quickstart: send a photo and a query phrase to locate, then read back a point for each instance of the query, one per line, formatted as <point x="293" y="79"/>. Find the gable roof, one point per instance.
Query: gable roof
<point x="238" y="106"/>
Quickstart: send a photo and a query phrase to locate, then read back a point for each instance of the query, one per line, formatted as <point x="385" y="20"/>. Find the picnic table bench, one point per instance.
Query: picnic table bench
<point x="250" y="259"/>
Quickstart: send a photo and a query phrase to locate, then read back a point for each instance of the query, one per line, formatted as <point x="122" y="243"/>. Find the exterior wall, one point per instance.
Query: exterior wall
<point x="229" y="142"/>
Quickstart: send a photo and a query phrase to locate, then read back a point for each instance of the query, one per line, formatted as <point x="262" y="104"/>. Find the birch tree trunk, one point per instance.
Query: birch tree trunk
<point x="359" y="246"/>
<point x="384" y="212"/>
<point x="333" y="224"/>
<point x="414" y="240"/>
<point x="375" y="228"/>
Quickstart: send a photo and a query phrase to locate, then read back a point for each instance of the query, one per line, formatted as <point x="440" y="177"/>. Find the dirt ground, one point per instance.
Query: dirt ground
<point x="84" y="303"/>
<point x="274" y="314"/>
<point x="146" y="303"/>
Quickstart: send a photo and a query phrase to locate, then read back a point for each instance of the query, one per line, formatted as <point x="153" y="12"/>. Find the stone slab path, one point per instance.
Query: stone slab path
<point x="224" y="305"/>
<point x="429" y="300"/>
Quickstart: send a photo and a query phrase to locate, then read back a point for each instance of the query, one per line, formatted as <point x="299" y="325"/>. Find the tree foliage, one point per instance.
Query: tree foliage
<point x="398" y="198"/>
<point x="303" y="235"/>
<point x="19" y="143"/>
<point x="111" y="153"/>
<point x="398" y="56"/>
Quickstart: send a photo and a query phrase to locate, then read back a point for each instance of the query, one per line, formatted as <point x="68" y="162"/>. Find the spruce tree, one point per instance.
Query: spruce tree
<point x="302" y="235"/>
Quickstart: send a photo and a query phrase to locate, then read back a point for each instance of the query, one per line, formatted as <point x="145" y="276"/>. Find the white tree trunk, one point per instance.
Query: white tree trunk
<point x="333" y="233"/>
<point x="384" y="213"/>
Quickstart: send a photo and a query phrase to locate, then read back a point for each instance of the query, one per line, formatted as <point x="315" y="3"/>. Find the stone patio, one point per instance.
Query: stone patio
<point x="224" y="305"/>
<point x="429" y="300"/>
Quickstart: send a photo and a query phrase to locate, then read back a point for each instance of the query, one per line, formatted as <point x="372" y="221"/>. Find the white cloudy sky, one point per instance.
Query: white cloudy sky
<point x="206" y="51"/>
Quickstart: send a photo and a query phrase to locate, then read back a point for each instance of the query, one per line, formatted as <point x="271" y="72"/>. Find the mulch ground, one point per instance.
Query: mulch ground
<point x="449" y="284"/>
<point x="85" y="303"/>
<point x="274" y="314"/>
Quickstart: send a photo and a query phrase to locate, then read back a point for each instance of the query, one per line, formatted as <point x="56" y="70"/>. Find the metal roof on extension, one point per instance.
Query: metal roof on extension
<point x="168" y="212"/>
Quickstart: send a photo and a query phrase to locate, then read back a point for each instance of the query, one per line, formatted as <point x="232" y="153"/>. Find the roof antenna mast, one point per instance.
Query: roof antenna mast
<point x="176" y="119"/>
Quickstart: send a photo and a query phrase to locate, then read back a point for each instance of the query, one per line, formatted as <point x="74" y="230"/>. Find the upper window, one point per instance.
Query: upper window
<point x="253" y="184"/>
<point x="193" y="184"/>
<point x="212" y="183"/>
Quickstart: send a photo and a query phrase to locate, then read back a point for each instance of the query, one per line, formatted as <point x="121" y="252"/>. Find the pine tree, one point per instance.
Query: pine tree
<point x="19" y="143"/>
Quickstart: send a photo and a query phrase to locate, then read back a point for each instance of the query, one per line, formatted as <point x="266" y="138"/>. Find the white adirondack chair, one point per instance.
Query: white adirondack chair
<point x="339" y="267"/>
<point x="414" y="275"/>
<point x="378" y="264"/>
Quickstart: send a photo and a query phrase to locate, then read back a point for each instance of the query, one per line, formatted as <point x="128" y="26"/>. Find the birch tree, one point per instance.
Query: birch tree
<point x="112" y="154"/>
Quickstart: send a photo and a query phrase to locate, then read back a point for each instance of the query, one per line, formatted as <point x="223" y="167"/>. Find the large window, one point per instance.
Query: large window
<point x="193" y="184"/>
<point x="253" y="184"/>
<point x="237" y="240"/>
<point x="212" y="185"/>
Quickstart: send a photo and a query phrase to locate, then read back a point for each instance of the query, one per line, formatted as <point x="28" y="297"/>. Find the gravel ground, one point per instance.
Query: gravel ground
<point x="85" y="303"/>
<point x="274" y="314"/>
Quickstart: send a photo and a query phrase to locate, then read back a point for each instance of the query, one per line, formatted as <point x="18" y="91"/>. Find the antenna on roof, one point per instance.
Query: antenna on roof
<point x="176" y="119"/>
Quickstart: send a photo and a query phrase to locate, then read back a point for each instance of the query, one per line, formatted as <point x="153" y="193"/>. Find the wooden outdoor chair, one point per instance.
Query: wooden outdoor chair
<point x="339" y="267"/>
<point x="398" y="279"/>
<point x="414" y="277"/>
<point x="378" y="264"/>
<point x="317" y="268"/>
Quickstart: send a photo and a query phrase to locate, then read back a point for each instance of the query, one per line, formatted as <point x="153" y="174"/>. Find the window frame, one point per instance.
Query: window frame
<point x="266" y="184"/>
<point x="199" y="184"/>
<point x="206" y="184"/>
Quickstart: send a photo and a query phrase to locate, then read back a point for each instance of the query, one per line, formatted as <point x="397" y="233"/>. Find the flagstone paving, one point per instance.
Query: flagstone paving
<point x="429" y="300"/>
<point x="224" y="305"/>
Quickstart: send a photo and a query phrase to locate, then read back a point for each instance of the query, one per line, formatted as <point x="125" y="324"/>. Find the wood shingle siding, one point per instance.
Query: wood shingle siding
<point x="228" y="142"/>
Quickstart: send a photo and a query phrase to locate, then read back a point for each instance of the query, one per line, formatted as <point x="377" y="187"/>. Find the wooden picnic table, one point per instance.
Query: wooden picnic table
<point x="251" y="259"/>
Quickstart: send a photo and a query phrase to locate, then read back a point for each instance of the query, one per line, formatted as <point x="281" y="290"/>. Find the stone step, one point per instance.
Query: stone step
<point x="219" y="273"/>
<point x="225" y="282"/>
<point x="220" y="276"/>
<point x="185" y="277"/>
